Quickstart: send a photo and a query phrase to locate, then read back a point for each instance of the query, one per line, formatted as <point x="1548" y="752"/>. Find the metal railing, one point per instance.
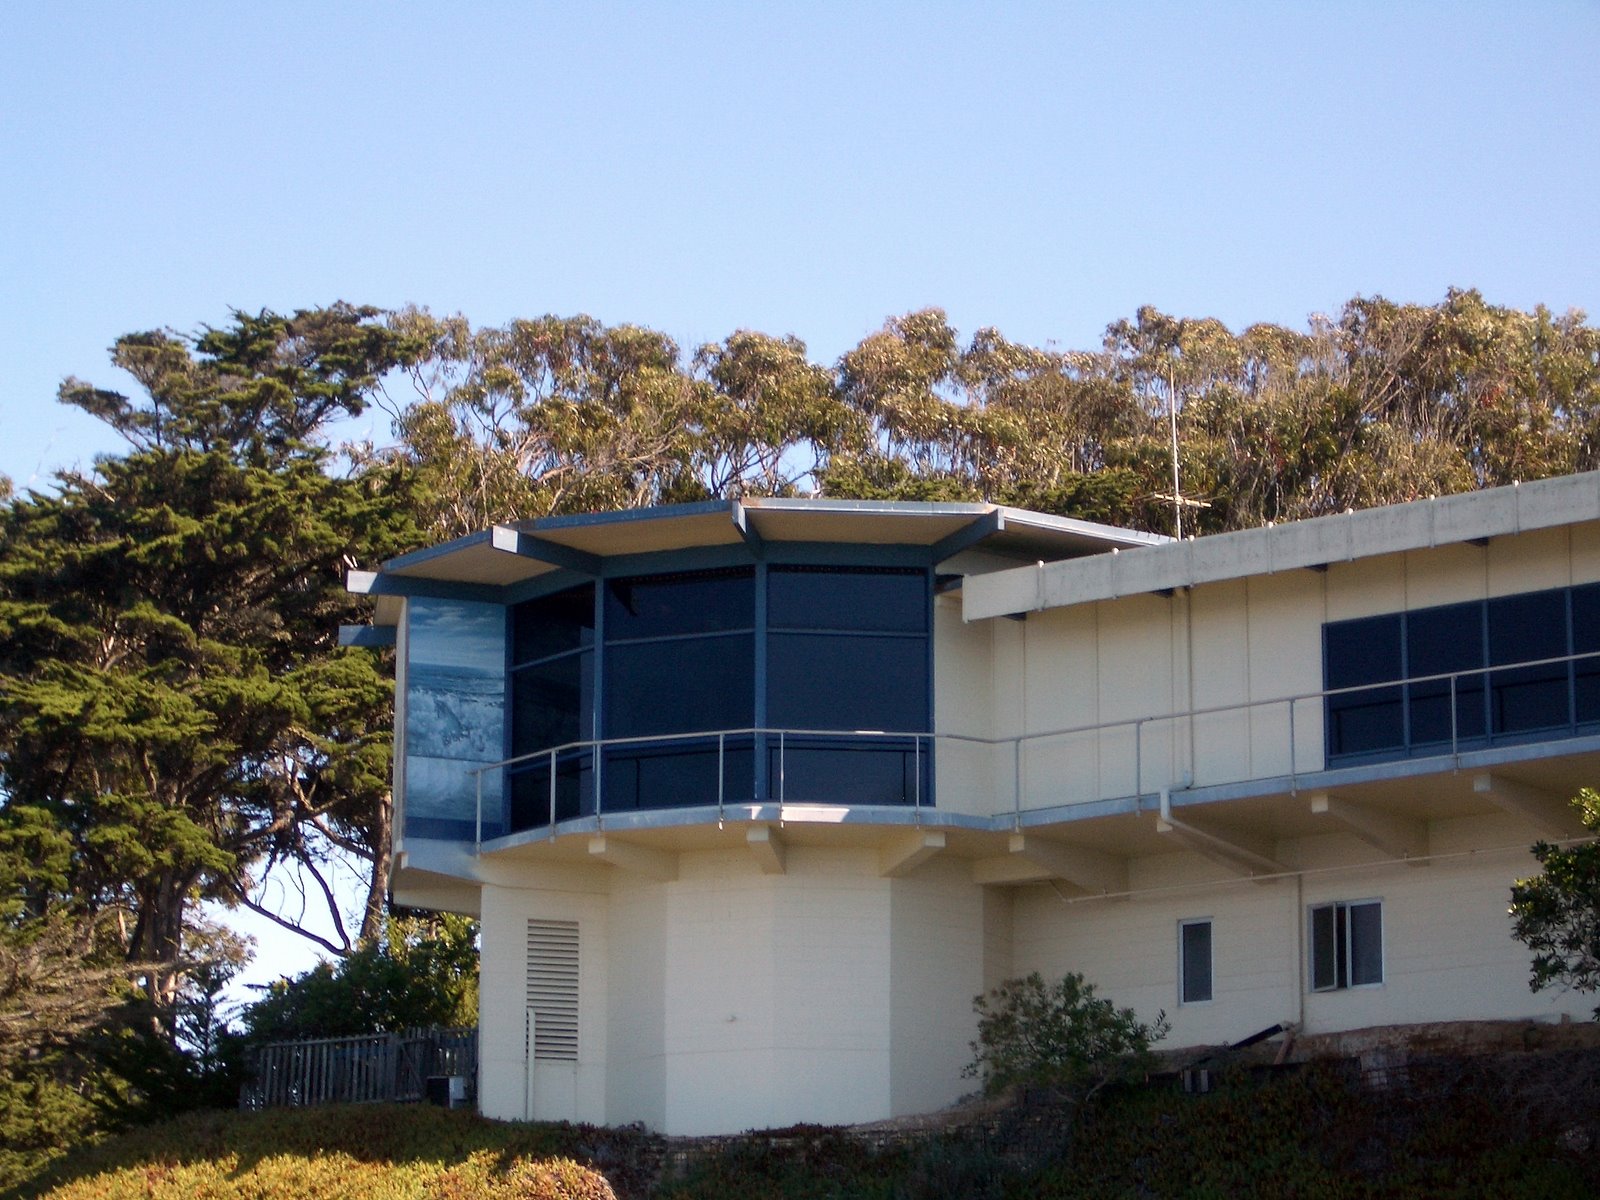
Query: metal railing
<point x="1289" y="747"/>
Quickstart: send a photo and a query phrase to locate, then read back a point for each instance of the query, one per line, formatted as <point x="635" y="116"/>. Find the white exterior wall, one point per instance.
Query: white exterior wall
<point x="1447" y="945"/>
<point x="556" y="1090"/>
<point x="728" y="999"/>
<point x="1244" y="646"/>
<point x="936" y="967"/>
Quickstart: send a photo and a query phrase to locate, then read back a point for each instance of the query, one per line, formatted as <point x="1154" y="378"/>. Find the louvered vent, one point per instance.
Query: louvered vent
<point x="553" y="988"/>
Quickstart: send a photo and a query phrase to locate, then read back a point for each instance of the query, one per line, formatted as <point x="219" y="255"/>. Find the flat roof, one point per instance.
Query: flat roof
<point x="521" y="550"/>
<point x="1315" y="543"/>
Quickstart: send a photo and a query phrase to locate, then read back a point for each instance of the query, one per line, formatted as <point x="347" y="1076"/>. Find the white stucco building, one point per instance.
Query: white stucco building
<point x="753" y="799"/>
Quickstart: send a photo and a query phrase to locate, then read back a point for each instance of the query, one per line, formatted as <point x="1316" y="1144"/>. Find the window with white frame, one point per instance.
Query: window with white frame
<point x="1194" y="961"/>
<point x="1346" y="944"/>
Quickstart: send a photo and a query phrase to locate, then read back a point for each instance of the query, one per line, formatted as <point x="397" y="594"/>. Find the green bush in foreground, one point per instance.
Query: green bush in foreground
<point x="351" y="1152"/>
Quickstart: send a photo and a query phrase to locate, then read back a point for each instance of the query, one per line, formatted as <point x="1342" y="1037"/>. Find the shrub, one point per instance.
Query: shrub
<point x="1058" y="1035"/>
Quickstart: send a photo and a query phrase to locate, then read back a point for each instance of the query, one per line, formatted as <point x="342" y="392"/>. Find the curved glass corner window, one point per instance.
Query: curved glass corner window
<point x="698" y="688"/>
<point x="1461" y="676"/>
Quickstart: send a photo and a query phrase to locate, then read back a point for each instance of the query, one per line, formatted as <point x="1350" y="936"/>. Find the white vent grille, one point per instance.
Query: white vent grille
<point x="553" y="988"/>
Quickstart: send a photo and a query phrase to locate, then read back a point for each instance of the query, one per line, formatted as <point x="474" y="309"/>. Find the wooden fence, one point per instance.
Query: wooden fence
<point x="351" y="1070"/>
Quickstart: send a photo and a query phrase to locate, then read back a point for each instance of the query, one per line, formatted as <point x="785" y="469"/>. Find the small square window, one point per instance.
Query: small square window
<point x="1346" y="944"/>
<point x="1194" y="961"/>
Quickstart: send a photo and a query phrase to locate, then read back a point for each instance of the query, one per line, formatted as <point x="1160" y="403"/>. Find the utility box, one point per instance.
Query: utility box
<point x="447" y="1091"/>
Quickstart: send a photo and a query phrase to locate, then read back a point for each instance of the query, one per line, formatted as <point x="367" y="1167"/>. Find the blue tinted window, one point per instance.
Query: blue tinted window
<point x="1525" y="629"/>
<point x="552" y="624"/>
<point x="552" y="703"/>
<point x="690" y="602"/>
<point x="680" y="775"/>
<point x="1354" y="653"/>
<point x="1439" y="641"/>
<point x="681" y="685"/>
<point x="887" y="771"/>
<point x="845" y="598"/>
<point x="1586" y="640"/>
<point x="843" y="682"/>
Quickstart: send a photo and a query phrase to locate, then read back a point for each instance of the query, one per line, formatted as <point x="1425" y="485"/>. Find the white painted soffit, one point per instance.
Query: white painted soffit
<point x="1396" y="528"/>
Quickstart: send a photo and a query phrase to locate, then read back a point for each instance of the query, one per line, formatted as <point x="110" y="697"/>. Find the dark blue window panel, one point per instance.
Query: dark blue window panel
<point x="1586" y="640"/>
<point x="846" y="682"/>
<point x="844" y="598"/>
<point x="682" y="685"/>
<point x="552" y="703"/>
<point x="530" y="791"/>
<point x="679" y="775"/>
<point x="1196" y="966"/>
<point x="690" y="602"/>
<point x="1523" y="629"/>
<point x="848" y="771"/>
<point x="552" y="624"/>
<point x="1441" y="640"/>
<point x="1357" y="652"/>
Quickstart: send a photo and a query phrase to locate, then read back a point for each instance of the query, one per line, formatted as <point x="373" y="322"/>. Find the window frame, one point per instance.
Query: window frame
<point x="1184" y="924"/>
<point x="1344" y="946"/>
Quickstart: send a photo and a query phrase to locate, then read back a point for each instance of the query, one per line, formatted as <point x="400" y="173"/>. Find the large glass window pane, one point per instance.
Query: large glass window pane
<point x="684" y="685"/>
<point x="1586" y="640"/>
<point x="1438" y="641"/>
<point x="845" y="682"/>
<point x="1196" y="965"/>
<point x="691" y="602"/>
<point x="679" y="775"/>
<point x="531" y="793"/>
<point x="848" y="771"/>
<point x="1523" y="629"/>
<point x="552" y="624"/>
<point x="552" y="703"/>
<point x="845" y="598"/>
<point x="1356" y="653"/>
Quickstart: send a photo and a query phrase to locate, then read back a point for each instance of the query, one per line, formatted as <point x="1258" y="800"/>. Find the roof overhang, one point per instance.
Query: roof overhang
<point x="519" y="551"/>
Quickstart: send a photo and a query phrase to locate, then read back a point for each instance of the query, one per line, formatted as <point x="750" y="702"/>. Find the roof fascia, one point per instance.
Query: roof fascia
<point x="379" y="583"/>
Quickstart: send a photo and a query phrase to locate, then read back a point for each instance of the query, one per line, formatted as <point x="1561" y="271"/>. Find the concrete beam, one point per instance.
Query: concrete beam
<point x="903" y="853"/>
<point x="767" y="846"/>
<point x="1007" y="868"/>
<point x="1239" y="852"/>
<point x="1396" y="836"/>
<point x="1091" y="870"/>
<point x="525" y="545"/>
<point x="376" y="583"/>
<point x="747" y="531"/>
<point x="1548" y="812"/>
<point x="638" y="860"/>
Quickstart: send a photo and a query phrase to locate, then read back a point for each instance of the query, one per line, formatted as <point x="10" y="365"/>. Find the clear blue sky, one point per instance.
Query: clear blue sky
<point x="806" y="169"/>
<point x="795" y="168"/>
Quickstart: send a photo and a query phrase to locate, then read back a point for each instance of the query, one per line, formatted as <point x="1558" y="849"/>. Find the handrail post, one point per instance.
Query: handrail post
<point x="552" y="790"/>
<point x="722" y="773"/>
<point x="477" y="838"/>
<point x="1294" y="757"/>
<point x="1455" y="750"/>
<point x="1138" y="762"/>
<point x="916" y="775"/>
<point x="1016" y="781"/>
<point x="783" y="768"/>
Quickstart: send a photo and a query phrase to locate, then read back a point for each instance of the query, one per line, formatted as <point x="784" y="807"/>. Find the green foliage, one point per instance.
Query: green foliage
<point x="1557" y="913"/>
<point x="422" y="971"/>
<point x="392" y="1152"/>
<point x="1060" y="1036"/>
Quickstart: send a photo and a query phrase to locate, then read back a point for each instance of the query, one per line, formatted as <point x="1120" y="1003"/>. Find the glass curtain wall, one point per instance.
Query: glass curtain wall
<point x="662" y="667"/>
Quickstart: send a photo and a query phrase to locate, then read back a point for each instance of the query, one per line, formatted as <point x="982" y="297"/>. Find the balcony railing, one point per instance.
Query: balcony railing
<point x="1283" y="737"/>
